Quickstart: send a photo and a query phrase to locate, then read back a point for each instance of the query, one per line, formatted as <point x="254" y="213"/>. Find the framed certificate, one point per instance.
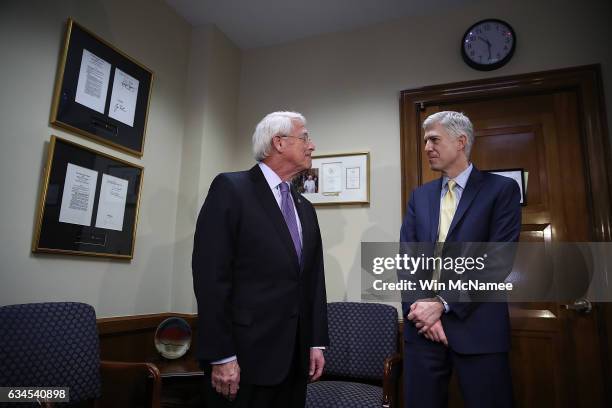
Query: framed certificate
<point x="89" y="203"/>
<point x="336" y="179"/>
<point x="518" y="175"/>
<point x="100" y="92"/>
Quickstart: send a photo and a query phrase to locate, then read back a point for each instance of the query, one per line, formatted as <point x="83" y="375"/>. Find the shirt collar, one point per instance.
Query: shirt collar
<point x="271" y="177"/>
<point x="461" y="179"/>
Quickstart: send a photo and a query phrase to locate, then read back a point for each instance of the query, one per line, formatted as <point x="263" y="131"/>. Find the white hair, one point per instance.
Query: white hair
<point x="456" y="124"/>
<point x="273" y="124"/>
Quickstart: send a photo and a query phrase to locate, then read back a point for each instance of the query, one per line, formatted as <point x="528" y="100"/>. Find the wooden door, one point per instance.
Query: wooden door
<point x="558" y="355"/>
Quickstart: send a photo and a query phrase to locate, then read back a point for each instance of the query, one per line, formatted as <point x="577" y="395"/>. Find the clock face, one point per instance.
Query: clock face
<point x="488" y="44"/>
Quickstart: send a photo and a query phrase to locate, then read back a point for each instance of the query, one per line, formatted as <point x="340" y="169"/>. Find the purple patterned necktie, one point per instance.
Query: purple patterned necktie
<point x="289" y="215"/>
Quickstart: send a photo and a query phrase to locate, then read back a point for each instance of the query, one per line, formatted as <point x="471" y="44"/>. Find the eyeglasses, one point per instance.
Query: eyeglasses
<point x="304" y="138"/>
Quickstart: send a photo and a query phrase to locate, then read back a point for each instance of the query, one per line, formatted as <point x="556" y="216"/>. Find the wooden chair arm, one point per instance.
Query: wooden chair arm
<point x="146" y="369"/>
<point x="391" y="377"/>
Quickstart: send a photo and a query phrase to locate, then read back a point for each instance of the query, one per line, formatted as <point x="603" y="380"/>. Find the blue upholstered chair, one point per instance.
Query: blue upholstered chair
<point x="57" y="345"/>
<point x="362" y="366"/>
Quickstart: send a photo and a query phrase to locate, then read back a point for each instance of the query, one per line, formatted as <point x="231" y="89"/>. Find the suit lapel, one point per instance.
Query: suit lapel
<point x="268" y="203"/>
<point x="474" y="184"/>
<point x="434" y="210"/>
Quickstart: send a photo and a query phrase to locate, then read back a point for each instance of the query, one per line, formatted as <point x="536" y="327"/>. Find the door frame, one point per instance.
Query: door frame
<point x="586" y="81"/>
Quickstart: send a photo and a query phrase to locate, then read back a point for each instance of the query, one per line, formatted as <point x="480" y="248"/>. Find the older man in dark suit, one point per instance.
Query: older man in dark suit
<point x="464" y="205"/>
<point x="258" y="276"/>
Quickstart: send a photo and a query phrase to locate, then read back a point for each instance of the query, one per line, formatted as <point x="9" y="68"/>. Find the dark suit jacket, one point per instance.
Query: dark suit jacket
<point x="254" y="299"/>
<point x="489" y="211"/>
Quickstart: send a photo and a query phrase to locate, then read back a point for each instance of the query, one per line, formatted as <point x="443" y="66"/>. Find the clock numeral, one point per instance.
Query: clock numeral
<point x="507" y="40"/>
<point x="472" y="38"/>
<point x="478" y="31"/>
<point x="469" y="46"/>
<point x="472" y="53"/>
<point x="487" y="27"/>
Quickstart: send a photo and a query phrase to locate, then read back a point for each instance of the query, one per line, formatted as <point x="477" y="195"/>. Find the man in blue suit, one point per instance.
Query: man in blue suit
<point x="464" y="205"/>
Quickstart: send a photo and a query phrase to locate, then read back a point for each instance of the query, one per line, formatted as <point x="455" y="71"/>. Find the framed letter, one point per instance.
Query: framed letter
<point x="89" y="203"/>
<point x="100" y="92"/>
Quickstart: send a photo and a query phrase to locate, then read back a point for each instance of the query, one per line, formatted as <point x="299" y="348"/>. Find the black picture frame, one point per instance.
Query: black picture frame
<point x="517" y="175"/>
<point x="102" y="126"/>
<point x="54" y="236"/>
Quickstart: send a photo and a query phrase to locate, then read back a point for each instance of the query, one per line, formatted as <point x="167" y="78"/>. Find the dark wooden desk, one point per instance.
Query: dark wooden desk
<point x="181" y="382"/>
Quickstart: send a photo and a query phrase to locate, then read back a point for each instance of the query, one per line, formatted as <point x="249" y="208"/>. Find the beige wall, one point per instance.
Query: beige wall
<point x="32" y="35"/>
<point x="190" y="137"/>
<point x="207" y="98"/>
<point x="347" y="85"/>
<point x="212" y="100"/>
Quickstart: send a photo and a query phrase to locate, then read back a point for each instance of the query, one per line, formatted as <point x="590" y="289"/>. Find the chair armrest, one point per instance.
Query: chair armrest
<point x="391" y="377"/>
<point x="145" y="369"/>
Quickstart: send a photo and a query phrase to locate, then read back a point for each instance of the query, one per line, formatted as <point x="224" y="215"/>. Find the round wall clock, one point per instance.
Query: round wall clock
<point x="488" y="44"/>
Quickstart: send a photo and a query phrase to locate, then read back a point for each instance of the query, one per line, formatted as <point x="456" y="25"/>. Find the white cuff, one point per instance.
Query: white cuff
<point x="444" y="303"/>
<point x="224" y="360"/>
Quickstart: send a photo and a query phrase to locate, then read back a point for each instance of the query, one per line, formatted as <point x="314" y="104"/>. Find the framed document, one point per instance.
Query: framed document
<point x="89" y="203"/>
<point x="336" y="179"/>
<point x="100" y="92"/>
<point x="518" y="175"/>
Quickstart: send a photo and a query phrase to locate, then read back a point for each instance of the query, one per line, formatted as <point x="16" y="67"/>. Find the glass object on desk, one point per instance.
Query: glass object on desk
<point x="173" y="337"/>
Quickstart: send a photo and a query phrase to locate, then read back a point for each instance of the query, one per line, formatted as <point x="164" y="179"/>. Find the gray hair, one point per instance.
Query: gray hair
<point x="273" y="124"/>
<point x="456" y="124"/>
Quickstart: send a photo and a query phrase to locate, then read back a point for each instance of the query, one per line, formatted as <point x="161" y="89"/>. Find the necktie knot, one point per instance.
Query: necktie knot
<point x="451" y="186"/>
<point x="284" y="188"/>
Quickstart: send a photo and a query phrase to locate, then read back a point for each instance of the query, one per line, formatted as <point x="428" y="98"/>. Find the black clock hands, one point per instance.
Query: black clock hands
<point x="488" y="44"/>
<point x="497" y="35"/>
